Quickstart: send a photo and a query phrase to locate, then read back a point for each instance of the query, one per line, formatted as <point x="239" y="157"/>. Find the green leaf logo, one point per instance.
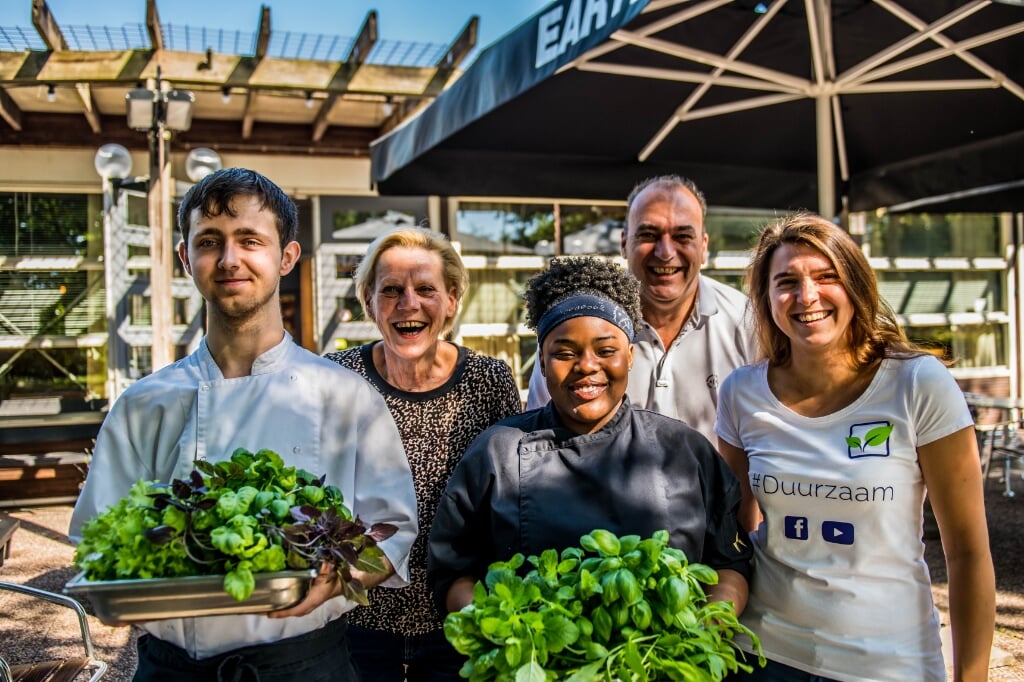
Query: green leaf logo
<point x="877" y="436"/>
<point x="869" y="439"/>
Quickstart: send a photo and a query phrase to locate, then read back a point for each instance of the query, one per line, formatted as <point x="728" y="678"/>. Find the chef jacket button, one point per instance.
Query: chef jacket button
<point x="294" y="377"/>
<point x="296" y="449"/>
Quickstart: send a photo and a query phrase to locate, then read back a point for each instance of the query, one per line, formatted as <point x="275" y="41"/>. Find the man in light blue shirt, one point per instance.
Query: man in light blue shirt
<point x="695" y="330"/>
<point x="249" y="385"/>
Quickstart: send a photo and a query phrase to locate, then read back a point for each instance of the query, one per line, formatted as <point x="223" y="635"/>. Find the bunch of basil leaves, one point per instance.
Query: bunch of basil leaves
<point x="612" y="609"/>
<point x="246" y="515"/>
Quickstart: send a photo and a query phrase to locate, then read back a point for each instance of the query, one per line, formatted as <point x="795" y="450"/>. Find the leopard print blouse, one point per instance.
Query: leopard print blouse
<point x="436" y="428"/>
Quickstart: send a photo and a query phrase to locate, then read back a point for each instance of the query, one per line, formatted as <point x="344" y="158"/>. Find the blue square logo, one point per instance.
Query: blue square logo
<point x="796" y="527"/>
<point x="837" y="532"/>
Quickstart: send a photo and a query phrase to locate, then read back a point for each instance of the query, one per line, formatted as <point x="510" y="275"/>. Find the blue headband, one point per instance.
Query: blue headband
<point x="584" y="305"/>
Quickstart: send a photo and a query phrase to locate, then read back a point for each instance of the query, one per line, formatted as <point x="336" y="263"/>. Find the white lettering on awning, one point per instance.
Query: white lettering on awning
<point x="554" y="37"/>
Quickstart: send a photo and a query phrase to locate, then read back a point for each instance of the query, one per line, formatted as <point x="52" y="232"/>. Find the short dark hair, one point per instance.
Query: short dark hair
<point x="668" y="182"/>
<point x="571" y="275"/>
<point x="213" y="194"/>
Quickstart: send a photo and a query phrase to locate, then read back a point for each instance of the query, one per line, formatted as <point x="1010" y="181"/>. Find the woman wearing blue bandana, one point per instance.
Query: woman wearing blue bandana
<point x="588" y="459"/>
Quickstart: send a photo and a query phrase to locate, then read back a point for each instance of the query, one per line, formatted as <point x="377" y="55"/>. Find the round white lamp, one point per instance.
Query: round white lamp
<point x="200" y="162"/>
<point x="112" y="161"/>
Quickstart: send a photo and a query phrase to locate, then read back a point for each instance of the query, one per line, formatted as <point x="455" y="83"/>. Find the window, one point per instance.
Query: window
<point x="66" y="302"/>
<point x="521" y="228"/>
<point x="66" y="372"/>
<point x="140" y="312"/>
<point x="50" y="224"/>
<point x="140" y="361"/>
<point x="345" y="265"/>
<point x="349" y="310"/>
<point x="734" y="232"/>
<point x="970" y="235"/>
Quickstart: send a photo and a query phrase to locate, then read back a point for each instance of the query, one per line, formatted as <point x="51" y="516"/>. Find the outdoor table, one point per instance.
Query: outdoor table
<point x="1002" y="438"/>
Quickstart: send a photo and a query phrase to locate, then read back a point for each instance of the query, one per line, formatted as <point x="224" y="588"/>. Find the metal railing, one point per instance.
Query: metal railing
<point x="283" y="44"/>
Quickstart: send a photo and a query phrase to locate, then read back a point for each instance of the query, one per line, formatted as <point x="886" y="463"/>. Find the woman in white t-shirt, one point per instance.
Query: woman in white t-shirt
<point x="835" y="438"/>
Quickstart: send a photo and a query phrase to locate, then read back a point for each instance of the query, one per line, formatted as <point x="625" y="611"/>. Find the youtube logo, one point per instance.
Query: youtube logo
<point x="837" y="532"/>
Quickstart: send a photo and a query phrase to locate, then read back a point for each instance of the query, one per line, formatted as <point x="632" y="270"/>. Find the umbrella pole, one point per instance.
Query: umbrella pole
<point x="826" y="157"/>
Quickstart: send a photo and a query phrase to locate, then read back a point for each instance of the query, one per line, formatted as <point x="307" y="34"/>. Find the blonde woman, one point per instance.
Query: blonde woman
<point x="441" y="396"/>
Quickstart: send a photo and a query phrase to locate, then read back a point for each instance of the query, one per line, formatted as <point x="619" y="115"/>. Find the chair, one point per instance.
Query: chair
<point x="1000" y="441"/>
<point x="54" y="670"/>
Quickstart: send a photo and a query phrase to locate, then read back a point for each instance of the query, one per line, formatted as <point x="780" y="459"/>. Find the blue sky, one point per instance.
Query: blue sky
<point x="431" y="21"/>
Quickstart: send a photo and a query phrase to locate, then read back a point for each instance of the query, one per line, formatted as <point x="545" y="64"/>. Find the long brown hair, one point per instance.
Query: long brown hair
<point x="874" y="332"/>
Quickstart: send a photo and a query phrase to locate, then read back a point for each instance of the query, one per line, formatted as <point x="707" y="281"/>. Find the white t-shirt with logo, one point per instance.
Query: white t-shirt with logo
<point x="841" y="588"/>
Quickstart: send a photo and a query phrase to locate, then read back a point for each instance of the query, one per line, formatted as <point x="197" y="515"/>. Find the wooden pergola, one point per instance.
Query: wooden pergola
<point x="243" y="103"/>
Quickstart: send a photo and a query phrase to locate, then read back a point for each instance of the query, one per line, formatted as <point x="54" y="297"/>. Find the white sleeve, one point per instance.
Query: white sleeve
<point x="539" y="395"/>
<point x="726" y="426"/>
<point x="939" y="406"/>
<point x="113" y="469"/>
<point x="382" y="488"/>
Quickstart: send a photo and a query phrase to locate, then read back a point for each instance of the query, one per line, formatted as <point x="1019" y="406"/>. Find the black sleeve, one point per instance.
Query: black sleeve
<point x="461" y="527"/>
<point x="726" y="545"/>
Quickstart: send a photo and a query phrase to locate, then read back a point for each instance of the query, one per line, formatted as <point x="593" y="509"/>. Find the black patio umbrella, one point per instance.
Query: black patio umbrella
<point x="787" y="104"/>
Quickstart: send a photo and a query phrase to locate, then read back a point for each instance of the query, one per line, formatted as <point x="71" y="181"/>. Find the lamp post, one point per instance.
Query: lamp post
<point x="160" y="110"/>
<point x="114" y="164"/>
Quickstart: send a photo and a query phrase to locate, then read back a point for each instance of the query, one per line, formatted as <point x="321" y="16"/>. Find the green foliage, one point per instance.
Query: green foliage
<point x="249" y="514"/>
<point x="620" y="608"/>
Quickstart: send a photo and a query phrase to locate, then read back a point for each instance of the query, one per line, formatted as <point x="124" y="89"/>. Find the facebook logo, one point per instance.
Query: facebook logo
<point x="796" y="527"/>
<point x="837" y="532"/>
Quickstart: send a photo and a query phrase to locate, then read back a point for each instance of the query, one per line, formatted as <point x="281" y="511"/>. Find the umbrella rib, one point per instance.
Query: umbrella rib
<point x="920" y="86"/>
<point x="910" y="41"/>
<point x="686" y="77"/>
<point x="820" y="43"/>
<point x="840" y="135"/>
<point x="959" y="49"/>
<point x="950" y="48"/>
<point x="710" y="59"/>
<point x="650" y="29"/>
<point x="961" y="194"/>
<point x="715" y="79"/>
<point x="741" y="105"/>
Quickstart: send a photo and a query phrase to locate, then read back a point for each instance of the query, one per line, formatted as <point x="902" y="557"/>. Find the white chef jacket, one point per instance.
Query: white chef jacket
<point x="317" y="415"/>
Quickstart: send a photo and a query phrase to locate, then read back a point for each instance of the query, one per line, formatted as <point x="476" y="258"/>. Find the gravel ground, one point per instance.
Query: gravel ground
<point x="41" y="557"/>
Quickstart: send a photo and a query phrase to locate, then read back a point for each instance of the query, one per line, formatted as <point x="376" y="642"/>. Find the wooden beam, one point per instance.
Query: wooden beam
<point x="248" y="114"/>
<point x="320" y="123"/>
<point x="61" y="131"/>
<point x="47" y="26"/>
<point x="263" y="32"/>
<point x="156" y="34"/>
<point x="364" y="42"/>
<point x="461" y="46"/>
<point x="89" y="107"/>
<point x="9" y="110"/>
<point x="273" y="74"/>
<point x="450" y="60"/>
<point x="357" y="55"/>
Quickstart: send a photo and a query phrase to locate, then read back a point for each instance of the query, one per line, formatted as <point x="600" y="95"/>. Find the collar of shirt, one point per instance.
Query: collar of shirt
<point x="269" y="361"/>
<point x="705" y="307"/>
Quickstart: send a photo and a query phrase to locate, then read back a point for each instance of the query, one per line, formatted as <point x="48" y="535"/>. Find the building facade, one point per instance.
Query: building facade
<point x="76" y="265"/>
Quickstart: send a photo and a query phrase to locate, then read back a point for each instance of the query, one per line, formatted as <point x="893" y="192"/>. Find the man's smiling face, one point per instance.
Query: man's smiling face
<point x="665" y="245"/>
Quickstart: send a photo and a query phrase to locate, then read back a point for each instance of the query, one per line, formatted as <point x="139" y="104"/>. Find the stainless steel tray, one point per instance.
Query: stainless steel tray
<point x="130" y="601"/>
